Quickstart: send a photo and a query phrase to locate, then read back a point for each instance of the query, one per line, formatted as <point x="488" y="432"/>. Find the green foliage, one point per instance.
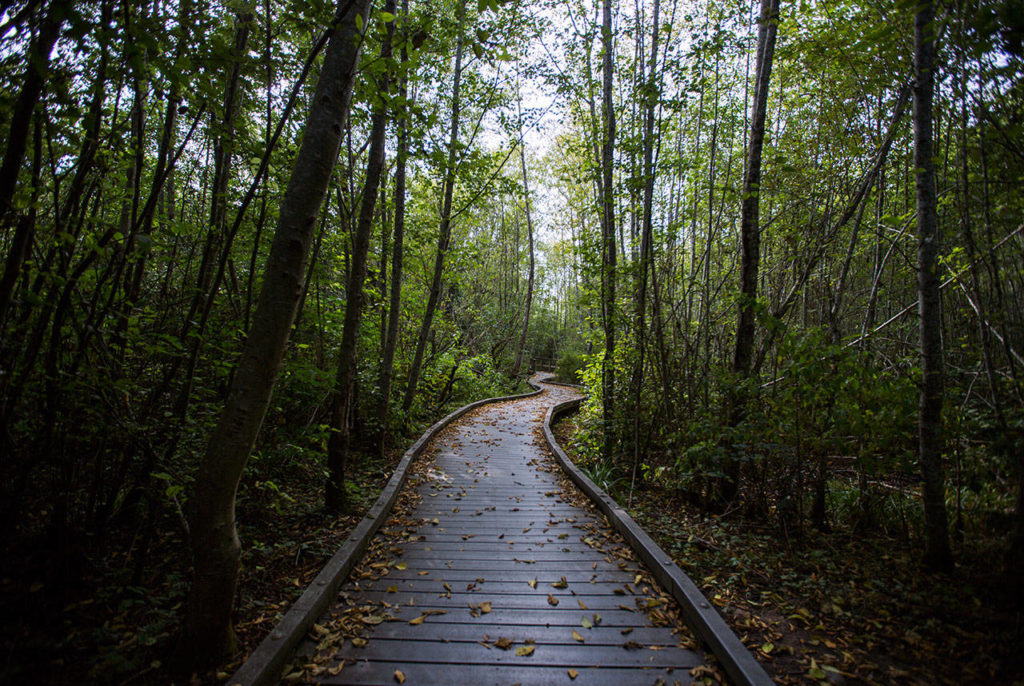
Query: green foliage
<point x="569" y="368"/>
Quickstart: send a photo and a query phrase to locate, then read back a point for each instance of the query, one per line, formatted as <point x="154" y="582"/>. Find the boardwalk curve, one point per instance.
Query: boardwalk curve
<point x="493" y="568"/>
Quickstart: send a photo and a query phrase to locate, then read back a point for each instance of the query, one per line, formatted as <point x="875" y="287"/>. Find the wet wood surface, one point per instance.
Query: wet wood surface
<point x="495" y="570"/>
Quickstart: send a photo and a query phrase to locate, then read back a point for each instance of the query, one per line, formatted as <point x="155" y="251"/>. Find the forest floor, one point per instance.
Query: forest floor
<point x="843" y="608"/>
<point x="112" y="629"/>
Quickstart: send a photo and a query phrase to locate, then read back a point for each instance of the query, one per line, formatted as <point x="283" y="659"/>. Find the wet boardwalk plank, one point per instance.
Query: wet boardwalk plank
<point x="493" y="571"/>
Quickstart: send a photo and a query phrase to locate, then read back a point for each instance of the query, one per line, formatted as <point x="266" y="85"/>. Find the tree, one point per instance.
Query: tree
<point x="937" y="552"/>
<point x="750" y="232"/>
<point x="387" y="361"/>
<point x="609" y="256"/>
<point x="338" y="444"/>
<point x="444" y="234"/>
<point x="207" y="634"/>
<point x="36" y="70"/>
<point x="529" y="237"/>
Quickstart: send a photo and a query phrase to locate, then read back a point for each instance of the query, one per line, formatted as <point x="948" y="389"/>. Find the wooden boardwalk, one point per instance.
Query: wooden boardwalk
<point x="493" y="569"/>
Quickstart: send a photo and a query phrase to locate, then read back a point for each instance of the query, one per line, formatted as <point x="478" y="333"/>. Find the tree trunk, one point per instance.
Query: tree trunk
<point x="609" y="256"/>
<point x="338" y="443"/>
<point x="445" y="232"/>
<point x="529" y="234"/>
<point x="937" y="553"/>
<point x="750" y="241"/>
<point x="207" y="633"/>
<point x="397" y="249"/>
<point x="646" y="235"/>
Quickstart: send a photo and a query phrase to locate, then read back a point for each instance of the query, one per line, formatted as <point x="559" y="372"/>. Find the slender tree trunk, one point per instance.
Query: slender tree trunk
<point x="355" y="297"/>
<point x="445" y="232"/>
<point x="397" y="254"/>
<point x="609" y="256"/>
<point x="207" y="633"/>
<point x="529" y="235"/>
<point x="750" y="232"/>
<point x="937" y="553"/>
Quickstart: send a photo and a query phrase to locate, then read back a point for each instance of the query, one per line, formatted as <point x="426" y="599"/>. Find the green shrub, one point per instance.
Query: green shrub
<point x="568" y="367"/>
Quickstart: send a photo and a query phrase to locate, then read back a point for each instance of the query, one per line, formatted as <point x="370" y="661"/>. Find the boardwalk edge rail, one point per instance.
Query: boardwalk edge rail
<point x="738" y="662"/>
<point x="265" y="664"/>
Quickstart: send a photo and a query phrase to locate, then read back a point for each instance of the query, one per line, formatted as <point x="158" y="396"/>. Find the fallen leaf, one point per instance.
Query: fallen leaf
<point x="401" y="566"/>
<point x="399" y="676"/>
<point x="562" y="583"/>
<point x="552" y="600"/>
<point x="576" y="635"/>
<point x="586" y="623"/>
<point x="359" y="642"/>
<point x="525" y="651"/>
<point x="533" y="582"/>
<point x="503" y="643"/>
<point x="573" y="674"/>
<point x="418" y="620"/>
<point x="392" y="589"/>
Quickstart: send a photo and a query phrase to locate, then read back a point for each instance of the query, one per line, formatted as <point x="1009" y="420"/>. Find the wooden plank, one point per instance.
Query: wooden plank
<point x="524" y="561"/>
<point x="477" y="631"/>
<point x="512" y="575"/>
<point x="543" y="655"/>
<point x="521" y="617"/>
<point x="421" y="584"/>
<point x="538" y="600"/>
<point x="430" y="675"/>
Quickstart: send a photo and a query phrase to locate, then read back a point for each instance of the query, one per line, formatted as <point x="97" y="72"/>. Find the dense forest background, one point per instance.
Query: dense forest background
<point x="708" y="212"/>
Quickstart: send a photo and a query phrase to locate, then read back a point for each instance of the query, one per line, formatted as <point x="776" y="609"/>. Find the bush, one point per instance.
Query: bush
<point x="569" y="366"/>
